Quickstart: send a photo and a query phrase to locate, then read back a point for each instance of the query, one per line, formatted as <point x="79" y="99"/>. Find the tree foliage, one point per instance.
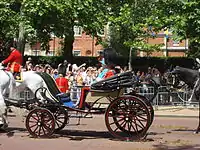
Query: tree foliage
<point x="182" y="18"/>
<point x="128" y="19"/>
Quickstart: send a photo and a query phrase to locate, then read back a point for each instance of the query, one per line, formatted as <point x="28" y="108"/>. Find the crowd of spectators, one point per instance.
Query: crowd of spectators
<point x="78" y="76"/>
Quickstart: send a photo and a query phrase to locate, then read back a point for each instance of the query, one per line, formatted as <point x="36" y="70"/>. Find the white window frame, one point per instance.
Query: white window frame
<point x="51" y="53"/>
<point x="75" y="51"/>
<point x="36" y="52"/>
<point x="77" y="30"/>
<point x="176" y="43"/>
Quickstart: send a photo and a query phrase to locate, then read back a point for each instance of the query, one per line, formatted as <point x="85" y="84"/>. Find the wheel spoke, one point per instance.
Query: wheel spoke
<point x="33" y="125"/>
<point x="57" y="124"/>
<point x="137" y="125"/>
<point x="140" y="124"/>
<point x="141" y="118"/>
<point x="35" y="129"/>
<point x="35" y="118"/>
<point x="59" y="121"/>
<point x="135" y="128"/>
<point x="39" y="130"/>
<point x="117" y="121"/>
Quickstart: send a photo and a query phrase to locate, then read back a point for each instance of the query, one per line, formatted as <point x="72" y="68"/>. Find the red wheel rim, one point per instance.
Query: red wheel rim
<point x="128" y="118"/>
<point x="40" y="123"/>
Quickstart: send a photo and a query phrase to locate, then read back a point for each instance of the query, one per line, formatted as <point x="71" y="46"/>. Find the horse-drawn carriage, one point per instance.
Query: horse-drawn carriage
<point x="128" y="115"/>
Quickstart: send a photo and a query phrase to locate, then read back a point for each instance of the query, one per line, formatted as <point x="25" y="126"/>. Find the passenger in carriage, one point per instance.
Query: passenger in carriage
<point x="110" y="57"/>
<point x="14" y="62"/>
<point x="103" y="71"/>
<point x="111" y="71"/>
<point x="108" y="63"/>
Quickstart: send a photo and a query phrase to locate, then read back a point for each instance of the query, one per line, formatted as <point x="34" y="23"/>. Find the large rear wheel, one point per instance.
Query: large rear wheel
<point x="128" y="118"/>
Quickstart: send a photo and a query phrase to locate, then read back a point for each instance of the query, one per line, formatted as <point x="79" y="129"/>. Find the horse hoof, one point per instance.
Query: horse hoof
<point x="3" y="126"/>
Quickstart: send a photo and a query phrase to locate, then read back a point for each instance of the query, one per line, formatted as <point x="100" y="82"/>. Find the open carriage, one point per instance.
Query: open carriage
<point x="128" y="115"/>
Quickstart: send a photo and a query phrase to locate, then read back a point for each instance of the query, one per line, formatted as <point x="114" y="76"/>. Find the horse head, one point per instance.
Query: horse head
<point x="181" y="76"/>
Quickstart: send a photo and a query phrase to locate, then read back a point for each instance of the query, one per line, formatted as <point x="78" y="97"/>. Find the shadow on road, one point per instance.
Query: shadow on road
<point x="79" y="135"/>
<point x="9" y="132"/>
<point x="181" y="147"/>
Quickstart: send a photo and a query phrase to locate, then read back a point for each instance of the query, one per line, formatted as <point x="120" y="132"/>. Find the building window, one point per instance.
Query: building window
<point x="77" y="52"/>
<point x="50" y="53"/>
<point x="36" y="52"/>
<point x="175" y="43"/>
<point x="77" y="31"/>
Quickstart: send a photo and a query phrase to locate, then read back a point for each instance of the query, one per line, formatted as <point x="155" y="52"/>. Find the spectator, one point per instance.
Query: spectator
<point x="27" y="63"/>
<point x="55" y="74"/>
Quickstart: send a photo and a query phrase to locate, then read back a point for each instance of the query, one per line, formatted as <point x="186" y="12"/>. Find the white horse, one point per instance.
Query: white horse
<point x="9" y="88"/>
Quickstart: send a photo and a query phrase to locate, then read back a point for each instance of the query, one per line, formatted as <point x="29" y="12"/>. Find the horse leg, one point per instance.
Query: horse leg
<point x="3" y="113"/>
<point x="198" y="128"/>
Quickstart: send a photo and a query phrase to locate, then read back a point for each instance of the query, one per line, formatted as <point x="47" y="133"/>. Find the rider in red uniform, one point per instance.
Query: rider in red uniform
<point x="13" y="61"/>
<point x="62" y="84"/>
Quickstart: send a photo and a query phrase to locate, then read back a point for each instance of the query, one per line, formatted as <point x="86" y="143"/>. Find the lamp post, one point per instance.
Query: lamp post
<point x="166" y="32"/>
<point x="54" y="44"/>
<point x="130" y="59"/>
<point x="92" y="44"/>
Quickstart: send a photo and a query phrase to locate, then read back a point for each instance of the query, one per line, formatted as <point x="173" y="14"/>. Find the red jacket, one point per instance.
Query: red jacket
<point x="110" y="73"/>
<point x="62" y="84"/>
<point x="14" y="61"/>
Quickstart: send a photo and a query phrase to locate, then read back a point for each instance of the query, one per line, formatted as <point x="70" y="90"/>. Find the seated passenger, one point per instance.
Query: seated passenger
<point x="108" y="62"/>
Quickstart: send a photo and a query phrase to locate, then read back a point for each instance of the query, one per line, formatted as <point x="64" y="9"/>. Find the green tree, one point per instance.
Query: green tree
<point x="59" y="18"/>
<point x="8" y="24"/>
<point x="128" y="19"/>
<point x="182" y="17"/>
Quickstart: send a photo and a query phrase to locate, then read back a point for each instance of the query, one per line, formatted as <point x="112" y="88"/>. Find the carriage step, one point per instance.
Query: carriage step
<point x="81" y="116"/>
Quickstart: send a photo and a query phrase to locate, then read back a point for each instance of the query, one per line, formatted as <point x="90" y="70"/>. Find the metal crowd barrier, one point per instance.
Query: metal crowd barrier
<point x="163" y="97"/>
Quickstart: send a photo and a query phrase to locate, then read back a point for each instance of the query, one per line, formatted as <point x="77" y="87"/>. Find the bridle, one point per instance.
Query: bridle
<point x="174" y="81"/>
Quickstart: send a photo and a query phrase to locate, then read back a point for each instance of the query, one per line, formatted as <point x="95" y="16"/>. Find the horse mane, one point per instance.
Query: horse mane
<point x="189" y="76"/>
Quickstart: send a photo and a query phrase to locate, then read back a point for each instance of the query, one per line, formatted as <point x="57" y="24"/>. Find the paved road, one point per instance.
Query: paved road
<point x="165" y="133"/>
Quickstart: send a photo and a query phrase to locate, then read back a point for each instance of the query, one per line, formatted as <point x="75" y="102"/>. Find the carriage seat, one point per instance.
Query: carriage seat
<point x="115" y="82"/>
<point x="65" y="99"/>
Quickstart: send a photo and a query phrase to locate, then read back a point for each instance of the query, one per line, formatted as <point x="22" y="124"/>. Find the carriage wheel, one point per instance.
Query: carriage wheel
<point x="40" y="122"/>
<point x="128" y="118"/>
<point x="151" y="111"/>
<point x="41" y="91"/>
<point x="61" y="118"/>
<point x="150" y="107"/>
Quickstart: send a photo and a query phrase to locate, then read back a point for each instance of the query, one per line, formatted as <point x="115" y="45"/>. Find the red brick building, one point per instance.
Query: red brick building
<point x="85" y="45"/>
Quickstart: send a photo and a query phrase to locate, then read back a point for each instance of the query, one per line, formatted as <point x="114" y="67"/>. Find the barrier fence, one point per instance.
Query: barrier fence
<point x="163" y="97"/>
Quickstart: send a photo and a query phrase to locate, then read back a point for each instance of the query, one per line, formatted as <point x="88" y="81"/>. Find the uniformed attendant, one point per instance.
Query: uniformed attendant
<point x="62" y="84"/>
<point x="13" y="61"/>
